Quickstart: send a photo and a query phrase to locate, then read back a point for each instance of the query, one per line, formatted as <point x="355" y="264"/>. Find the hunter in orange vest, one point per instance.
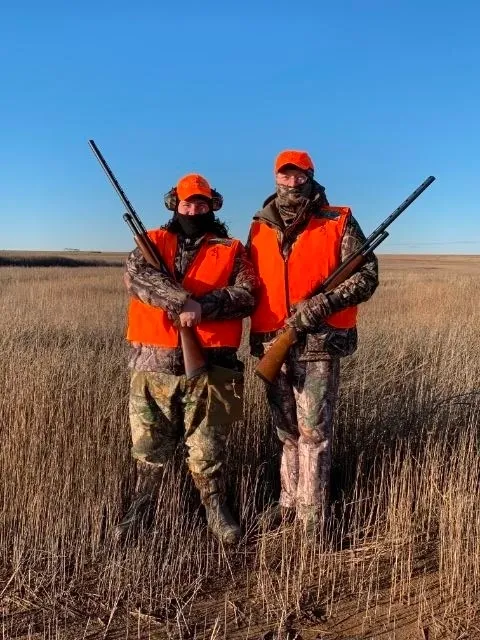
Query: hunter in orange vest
<point x="208" y="285"/>
<point x="296" y="241"/>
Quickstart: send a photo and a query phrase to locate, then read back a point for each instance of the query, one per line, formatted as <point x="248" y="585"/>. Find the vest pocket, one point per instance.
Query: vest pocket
<point x="225" y="395"/>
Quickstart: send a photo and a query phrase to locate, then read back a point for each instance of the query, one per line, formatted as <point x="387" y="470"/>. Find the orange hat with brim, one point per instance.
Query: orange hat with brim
<point x="193" y="184"/>
<point x="299" y="159"/>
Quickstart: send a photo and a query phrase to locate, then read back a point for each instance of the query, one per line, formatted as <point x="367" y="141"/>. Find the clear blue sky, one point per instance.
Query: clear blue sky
<point x="382" y="94"/>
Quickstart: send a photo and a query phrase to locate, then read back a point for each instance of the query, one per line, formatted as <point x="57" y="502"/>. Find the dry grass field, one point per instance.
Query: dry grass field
<point x="401" y="557"/>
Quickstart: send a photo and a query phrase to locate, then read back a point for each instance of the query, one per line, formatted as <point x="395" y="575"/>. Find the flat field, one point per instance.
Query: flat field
<point x="401" y="557"/>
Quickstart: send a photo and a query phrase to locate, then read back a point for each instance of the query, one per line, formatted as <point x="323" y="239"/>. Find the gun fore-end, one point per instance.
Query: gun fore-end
<point x="270" y="364"/>
<point x="144" y="245"/>
<point x="345" y="273"/>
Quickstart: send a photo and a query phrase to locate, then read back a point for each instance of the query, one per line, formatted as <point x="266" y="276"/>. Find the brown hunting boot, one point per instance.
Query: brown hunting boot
<point x="220" y="521"/>
<point x="141" y="511"/>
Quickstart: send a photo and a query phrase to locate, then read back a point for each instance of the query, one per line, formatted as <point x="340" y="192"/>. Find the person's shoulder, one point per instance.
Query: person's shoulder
<point x="268" y="215"/>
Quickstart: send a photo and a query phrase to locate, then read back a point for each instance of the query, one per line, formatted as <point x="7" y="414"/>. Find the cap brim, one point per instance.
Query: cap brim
<point x="294" y="165"/>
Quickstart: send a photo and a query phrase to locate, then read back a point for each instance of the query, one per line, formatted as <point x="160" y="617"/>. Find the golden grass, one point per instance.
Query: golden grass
<point x="401" y="555"/>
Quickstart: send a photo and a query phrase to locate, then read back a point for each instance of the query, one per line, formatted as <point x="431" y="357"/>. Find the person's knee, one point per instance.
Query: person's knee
<point x="144" y="463"/>
<point x="144" y="451"/>
<point x="205" y="454"/>
<point x="207" y="442"/>
<point x="208" y="451"/>
<point x="203" y="467"/>
<point x="290" y="445"/>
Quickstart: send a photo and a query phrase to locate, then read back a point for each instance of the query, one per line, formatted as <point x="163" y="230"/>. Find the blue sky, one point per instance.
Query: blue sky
<point x="382" y="94"/>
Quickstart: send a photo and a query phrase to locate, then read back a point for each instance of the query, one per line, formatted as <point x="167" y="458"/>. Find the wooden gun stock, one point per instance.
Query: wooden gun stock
<point x="270" y="364"/>
<point x="193" y="356"/>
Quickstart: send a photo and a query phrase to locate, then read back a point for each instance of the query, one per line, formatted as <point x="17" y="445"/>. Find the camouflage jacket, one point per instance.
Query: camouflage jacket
<point x="317" y="340"/>
<point x="161" y="290"/>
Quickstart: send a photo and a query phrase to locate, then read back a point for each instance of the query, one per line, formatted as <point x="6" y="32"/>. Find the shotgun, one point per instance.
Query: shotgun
<point x="270" y="364"/>
<point x="193" y="356"/>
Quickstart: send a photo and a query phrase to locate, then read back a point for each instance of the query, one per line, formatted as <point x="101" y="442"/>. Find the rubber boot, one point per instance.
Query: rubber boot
<point x="141" y="511"/>
<point x="220" y="521"/>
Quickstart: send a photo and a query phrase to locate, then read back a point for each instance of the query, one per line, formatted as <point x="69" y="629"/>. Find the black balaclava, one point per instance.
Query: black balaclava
<point x="196" y="225"/>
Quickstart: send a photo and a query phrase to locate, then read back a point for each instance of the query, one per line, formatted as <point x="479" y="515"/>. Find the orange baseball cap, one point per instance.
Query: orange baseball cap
<point x="299" y="159"/>
<point x="193" y="184"/>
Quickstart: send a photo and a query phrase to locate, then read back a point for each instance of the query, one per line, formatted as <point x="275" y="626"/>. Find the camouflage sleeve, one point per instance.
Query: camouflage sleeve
<point x="236" y="300"/>
<point x="354" y="290"/>
<point x="362" y="284"/>
<point x="152" y="286"/>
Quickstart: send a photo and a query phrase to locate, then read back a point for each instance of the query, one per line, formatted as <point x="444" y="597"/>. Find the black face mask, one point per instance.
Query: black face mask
<point x="197" y="225"/>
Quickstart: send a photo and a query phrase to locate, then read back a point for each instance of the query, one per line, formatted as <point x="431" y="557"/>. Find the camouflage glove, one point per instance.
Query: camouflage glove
<point x="308" y="315"/>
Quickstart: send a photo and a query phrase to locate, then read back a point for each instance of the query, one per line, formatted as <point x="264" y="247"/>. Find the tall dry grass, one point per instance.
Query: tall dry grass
<point x="401" y="552"/>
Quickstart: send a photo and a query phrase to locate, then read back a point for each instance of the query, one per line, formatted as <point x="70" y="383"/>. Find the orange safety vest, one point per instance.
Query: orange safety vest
<point x="210" y="269"/>
<point x="315" y="254"/>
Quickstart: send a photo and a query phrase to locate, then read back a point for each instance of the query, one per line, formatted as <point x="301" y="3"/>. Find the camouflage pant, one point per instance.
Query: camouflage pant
<point x="302" y="401"/>
<point x="163" y="409"/>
